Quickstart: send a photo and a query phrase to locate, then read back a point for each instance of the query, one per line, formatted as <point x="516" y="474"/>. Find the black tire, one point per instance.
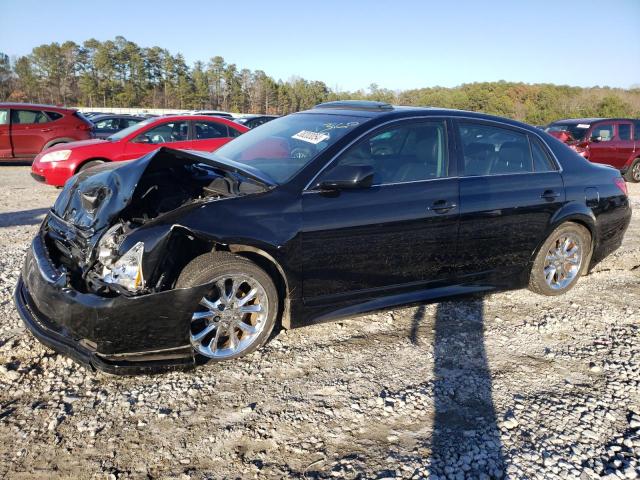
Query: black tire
<point x="537" y="280"/>
<point x="209" y="266"/>
<point x="633" y="174"/>
<point x="90" y="164"/>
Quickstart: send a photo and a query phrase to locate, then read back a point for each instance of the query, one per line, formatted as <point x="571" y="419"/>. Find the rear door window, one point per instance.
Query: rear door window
<point x="491" y="150"/>
<point x="24" y="117"/>
<point x="206" y="130"/>
<point x="624" y="131"/>
<point x="167" y="133"/>
<point x="53" y="116"/>
<point x="128" y="122"/>
<point x="542" y="162"/>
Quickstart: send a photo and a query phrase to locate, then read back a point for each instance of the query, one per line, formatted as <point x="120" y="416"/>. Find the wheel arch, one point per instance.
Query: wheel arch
<point x="94" y="159"/>
<point x="56" y="141"/>
<point x="575" y="213"/>
<point x="274" y="269"/>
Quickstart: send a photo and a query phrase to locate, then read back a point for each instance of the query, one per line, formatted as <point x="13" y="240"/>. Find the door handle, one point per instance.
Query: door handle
<point x="46" y="129"/>
<point x="441" y="206"/>
<point x="549" y="195"/>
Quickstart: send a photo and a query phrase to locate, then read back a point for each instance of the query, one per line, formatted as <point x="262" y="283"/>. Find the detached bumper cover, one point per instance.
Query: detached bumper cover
<point x="119" y="335"/>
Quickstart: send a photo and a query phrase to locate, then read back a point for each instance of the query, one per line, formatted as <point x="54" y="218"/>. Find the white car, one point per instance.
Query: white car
<point x="214" y="113"/>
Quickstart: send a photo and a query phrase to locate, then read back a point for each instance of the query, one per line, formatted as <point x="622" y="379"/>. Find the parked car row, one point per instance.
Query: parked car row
<point x="28" y="129"/>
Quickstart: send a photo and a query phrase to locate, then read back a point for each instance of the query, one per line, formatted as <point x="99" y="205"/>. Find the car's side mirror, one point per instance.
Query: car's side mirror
<point x="596" y="139"/>
<point x="347" y="177"/>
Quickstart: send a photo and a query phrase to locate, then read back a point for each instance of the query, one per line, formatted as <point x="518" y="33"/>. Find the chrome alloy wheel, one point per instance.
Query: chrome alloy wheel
<point x="231" y="318"/>
<point x="563" y="261"/>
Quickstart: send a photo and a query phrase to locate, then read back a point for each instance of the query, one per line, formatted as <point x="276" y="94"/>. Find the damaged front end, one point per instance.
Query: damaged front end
<point x="99" y="278"/>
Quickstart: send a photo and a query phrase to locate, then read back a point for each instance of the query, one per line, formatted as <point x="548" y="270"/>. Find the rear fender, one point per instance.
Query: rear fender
<point x="571" y="212"/>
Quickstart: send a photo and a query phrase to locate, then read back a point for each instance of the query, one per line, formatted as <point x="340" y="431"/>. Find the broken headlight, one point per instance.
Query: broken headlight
<point x="125" y="271"/>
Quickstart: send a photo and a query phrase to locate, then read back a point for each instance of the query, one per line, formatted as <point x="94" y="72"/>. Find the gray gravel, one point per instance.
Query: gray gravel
<point x="510" y="385"/>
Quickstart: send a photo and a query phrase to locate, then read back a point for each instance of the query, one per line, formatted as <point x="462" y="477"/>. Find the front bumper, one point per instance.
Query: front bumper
<point x="119" y="335"/>
<point x="52" y="173"/>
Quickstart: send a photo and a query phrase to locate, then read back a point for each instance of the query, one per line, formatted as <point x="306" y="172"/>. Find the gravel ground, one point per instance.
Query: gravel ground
<point x="509" y="385"/>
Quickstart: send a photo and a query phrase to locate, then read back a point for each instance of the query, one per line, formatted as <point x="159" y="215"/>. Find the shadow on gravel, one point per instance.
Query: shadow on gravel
<point x="24" y="217"/>
<point x="466" y="438"/>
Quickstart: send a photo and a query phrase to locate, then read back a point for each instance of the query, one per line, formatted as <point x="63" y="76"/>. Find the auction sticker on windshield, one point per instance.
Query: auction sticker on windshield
<point x="311" y="137"/>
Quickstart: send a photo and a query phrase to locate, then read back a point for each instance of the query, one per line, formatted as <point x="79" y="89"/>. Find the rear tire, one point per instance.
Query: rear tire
<point x="561" y="260"/>
<point x="633" y="174"/>
<point x="236" y="316"/>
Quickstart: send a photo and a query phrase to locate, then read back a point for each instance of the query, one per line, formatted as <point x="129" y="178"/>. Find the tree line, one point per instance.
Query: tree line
<point x="120" y="73"/>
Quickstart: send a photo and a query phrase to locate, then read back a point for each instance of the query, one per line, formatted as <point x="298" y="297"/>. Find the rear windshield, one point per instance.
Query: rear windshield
<point x="576" y="130"/>
<point x="284" y="146"/>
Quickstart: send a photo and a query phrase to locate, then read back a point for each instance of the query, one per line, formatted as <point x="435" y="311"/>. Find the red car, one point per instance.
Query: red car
<point x="612" y="141"/>
<point x="27" y="129"/>
<point x="188" y="132"/>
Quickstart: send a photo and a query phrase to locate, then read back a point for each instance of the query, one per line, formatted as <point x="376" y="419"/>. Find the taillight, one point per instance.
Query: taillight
<point x="622" y="185"/>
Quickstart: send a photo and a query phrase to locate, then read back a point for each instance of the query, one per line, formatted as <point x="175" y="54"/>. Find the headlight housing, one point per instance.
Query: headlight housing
<point x="127" y="270"/>
<point x="57" y="156"/>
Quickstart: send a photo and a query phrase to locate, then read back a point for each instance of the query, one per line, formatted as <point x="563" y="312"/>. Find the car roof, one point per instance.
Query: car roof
<point x="382" y="110"/>
<point x="192" y="118"/>
<point x="36" y="105"/>
<point x="116" y="115"/>
<point x="570" y="121"/>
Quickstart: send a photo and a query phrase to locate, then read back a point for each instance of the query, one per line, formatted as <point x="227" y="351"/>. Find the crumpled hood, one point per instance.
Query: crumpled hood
<point x="92" y="199"/>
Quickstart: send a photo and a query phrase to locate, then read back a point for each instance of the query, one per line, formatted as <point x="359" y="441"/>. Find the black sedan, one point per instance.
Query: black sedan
<point x="106" y="125"/>
<point x="255" y="120"/>
<point x="346" y="208"/>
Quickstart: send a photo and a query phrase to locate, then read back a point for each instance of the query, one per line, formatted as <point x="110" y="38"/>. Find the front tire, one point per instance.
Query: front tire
<point x="633" y="174"/>
<point x="90" y="164"/>
<point x="236" y="316"/>
<point x="561" y="260"/>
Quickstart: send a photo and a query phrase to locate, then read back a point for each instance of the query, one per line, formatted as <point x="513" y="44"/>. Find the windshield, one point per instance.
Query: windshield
<point x="576" y="130"/>
<point x="127" y="131"/>
<point x="283" y="147"/>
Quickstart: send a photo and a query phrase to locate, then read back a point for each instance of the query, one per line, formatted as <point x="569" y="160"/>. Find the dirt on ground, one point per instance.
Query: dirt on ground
<point x="511" y="384"/>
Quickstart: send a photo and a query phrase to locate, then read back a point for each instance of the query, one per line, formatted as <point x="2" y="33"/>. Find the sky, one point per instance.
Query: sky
<point x="397" y="44"/>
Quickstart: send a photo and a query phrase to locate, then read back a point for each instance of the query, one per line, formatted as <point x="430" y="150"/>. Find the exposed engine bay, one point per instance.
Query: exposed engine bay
<point x="91" y="230"/>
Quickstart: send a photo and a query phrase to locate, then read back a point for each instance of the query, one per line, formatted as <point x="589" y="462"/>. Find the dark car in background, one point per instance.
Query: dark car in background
<point x="610" y="141"/>
<point x="28" y="129"/>
<point x="255" y="120"/>
<point x="346" y="208"/>
<point x="106" y="125"/>
<point x="89" y="115"/>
